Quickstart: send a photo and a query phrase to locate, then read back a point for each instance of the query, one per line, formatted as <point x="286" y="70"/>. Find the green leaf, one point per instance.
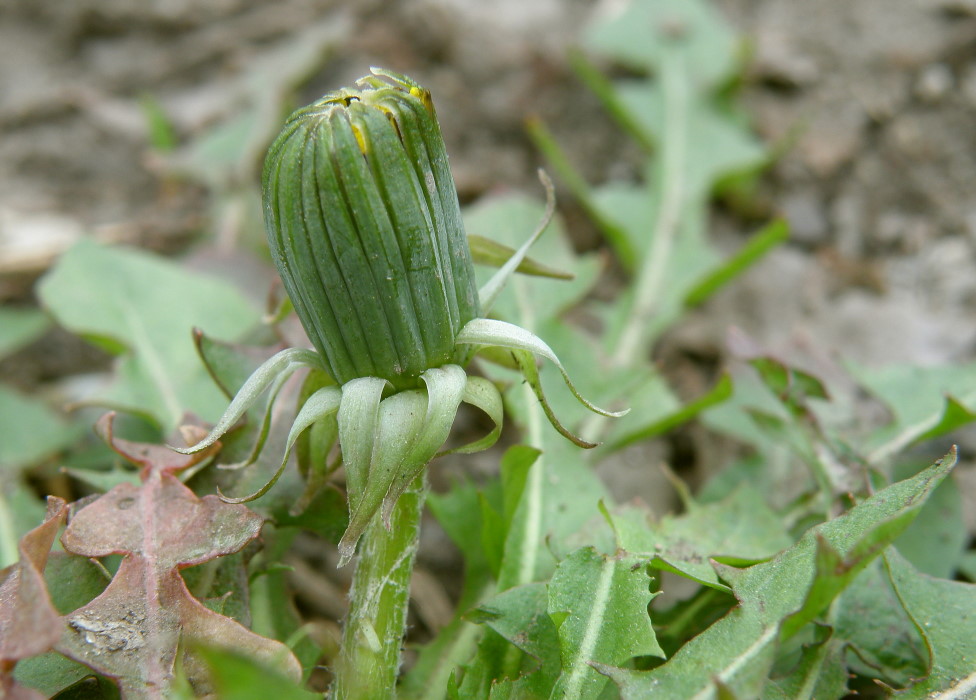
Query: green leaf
<point x="967" y="566"/>
<point x="647" y="414"/>
<point x="19" y="328"/>
<point x="30" y="431"/>
<point x="520" y="616"/>
<point x="73" y="582"/>
<point x="145" y="308"/>
<point x="884" y="641"/>
<point x="924" y="402"/>
<point x="791" y="385"/>
<point x="50" y="673"/>
<point x="271" y="610"/>
<point x="326" y="514"/>
<point x="778" y="597"/>
<point x="819" y="674"/>
<point x="945" y="614"/>
<point x="438" y="661"/>
<point x="459" y="513"/>
<point x="665" y="219"/>
<point x="639" y="34"/>
<point x="162" y="135"/>
<point x="714" y="145"/>
<point x="559" y="494"/>
<point x="936" y="541"/>
<point x="599" y="605"/>
<point x="20" y="511"/>
<point x="509" y="220"/>
<point x="230" y="364"/>
<point x="238" y="677"/>
<point x="485" y="251"/>
<point x="90" y="687"/>
<point x="954" y="415"/>
<point x="738" y="529"/>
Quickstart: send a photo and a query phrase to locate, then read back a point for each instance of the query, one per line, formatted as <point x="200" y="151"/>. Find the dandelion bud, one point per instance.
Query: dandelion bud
<point x="365" y="230"/>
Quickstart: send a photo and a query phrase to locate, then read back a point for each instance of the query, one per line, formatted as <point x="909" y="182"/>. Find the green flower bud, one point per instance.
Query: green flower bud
<point x="365" y="230"/>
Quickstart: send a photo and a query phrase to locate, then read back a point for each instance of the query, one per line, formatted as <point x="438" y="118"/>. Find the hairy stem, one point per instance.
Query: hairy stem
<point x="369" y="660"/>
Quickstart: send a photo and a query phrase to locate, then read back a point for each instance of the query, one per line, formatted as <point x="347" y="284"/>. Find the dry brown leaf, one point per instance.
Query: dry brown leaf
<point x="29" y="623"/>
<point x="134" y="630"/>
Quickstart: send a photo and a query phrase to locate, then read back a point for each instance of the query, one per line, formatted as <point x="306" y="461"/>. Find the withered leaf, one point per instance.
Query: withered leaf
<point x="134" y="630"/>
<point x="29" y="623"/>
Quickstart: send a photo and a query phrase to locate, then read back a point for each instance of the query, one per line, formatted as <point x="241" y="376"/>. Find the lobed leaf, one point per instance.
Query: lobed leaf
<point x="871" y="621"/>
<point x="132" y="631"/>
<point x="820" y="672"/>
<point x="740" y="528"/>
<point x="944" y="613"/>
<point x="778" y="597"/>
<point x="29" y="623"/>
<point x="599" y="606"/>
<point x="520" y="615"/>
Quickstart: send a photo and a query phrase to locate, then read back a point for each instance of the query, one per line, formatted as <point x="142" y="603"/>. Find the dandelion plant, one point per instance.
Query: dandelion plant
<point x="365" y="230"/>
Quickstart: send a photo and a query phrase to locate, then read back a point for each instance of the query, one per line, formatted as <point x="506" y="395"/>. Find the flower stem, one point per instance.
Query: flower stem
<point x="369" y="660"/>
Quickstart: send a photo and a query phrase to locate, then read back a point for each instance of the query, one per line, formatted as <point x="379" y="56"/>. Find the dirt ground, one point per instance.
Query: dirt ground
<point x="874" y="100"/>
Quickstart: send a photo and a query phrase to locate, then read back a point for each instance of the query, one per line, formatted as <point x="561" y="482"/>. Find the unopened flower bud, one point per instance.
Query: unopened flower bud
<point x="365" y="230"/>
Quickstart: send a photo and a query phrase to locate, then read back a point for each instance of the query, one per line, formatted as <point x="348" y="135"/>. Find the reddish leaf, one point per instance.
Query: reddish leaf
<point x="133" y="630"/>
<point x="29" y="623"/>
<point x="158" y="457"/>
<point x="11" y="690"/>
<point x="163" y="521"/>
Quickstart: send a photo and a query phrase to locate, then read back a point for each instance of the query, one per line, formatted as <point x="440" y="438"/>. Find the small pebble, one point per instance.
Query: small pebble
<point x="934" y="82"/>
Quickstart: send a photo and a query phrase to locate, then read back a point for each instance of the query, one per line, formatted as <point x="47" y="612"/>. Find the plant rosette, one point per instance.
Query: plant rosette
<point x="365" y="230"/>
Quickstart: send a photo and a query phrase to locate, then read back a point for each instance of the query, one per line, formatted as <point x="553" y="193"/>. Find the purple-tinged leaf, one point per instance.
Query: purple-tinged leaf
<point x="132" y="632"/>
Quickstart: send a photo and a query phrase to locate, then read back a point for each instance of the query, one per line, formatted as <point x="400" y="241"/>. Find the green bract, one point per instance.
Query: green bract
<point x="365" y="230"/>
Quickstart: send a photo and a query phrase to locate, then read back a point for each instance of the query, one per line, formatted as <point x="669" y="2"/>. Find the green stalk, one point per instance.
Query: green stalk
<point x="369" y="662"/>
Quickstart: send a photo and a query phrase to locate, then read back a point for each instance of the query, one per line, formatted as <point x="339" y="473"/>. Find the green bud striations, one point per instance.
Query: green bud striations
<point x="365" y="229"/>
